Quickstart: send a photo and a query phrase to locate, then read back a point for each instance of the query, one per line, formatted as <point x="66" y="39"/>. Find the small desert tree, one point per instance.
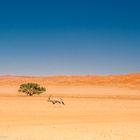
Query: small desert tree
<point x="31" y="88"/>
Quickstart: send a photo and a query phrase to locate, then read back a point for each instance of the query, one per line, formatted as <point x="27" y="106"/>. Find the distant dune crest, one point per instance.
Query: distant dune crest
<point x="129" y="80"/>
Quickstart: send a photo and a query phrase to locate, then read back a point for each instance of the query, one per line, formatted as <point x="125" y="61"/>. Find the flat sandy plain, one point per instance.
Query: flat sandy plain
<point x="96" y="108"/>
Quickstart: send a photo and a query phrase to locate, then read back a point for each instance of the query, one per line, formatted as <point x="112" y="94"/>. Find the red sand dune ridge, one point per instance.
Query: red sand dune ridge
<point x="129" y="80"/>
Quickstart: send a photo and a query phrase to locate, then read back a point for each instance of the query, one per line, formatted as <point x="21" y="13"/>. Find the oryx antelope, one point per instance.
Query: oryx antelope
<point x="55" y="100"/>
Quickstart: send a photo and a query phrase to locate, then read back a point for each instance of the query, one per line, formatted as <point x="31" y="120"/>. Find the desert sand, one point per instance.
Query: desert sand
<point x="96" y="108"/>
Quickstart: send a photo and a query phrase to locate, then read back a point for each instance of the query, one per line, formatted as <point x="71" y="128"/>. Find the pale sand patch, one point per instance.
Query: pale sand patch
<point x="33" y="118"/>
<point x="97" y="131"/>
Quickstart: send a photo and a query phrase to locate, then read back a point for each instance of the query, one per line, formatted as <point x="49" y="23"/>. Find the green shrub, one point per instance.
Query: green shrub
<point x="31" y="88"/>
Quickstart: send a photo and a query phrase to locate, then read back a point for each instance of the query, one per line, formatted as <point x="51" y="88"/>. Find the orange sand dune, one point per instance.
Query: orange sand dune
<point x="129" y="80"/>
<point x="114" y="86"/>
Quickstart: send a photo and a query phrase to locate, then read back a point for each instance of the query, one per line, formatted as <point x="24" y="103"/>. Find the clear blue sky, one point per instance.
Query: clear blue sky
<point x="69" y="37"/>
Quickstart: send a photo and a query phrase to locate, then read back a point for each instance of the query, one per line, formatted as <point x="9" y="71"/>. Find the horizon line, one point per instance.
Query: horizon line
<point x="13" y="75"/>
